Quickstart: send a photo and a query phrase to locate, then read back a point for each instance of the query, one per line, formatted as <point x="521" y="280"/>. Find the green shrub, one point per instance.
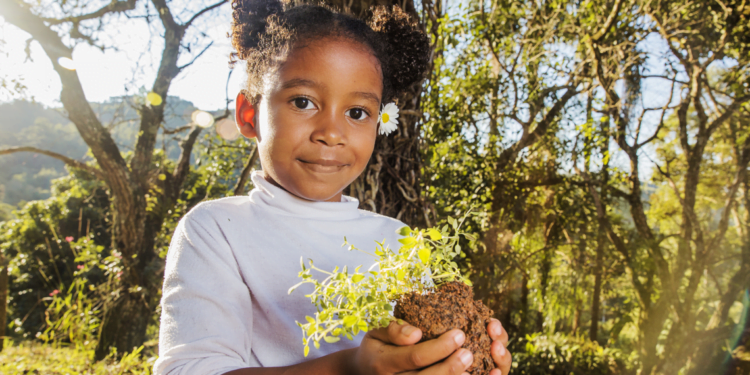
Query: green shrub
<point x="31" y="357"/>
<point x="564" y="355"/>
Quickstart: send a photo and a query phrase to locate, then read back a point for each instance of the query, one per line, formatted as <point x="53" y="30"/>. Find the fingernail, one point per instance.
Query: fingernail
<point x="500" y="329"/>
<point x="459" y="338"/>
<point x="502" y="349"/>
<point x="466" y="357"/>
<point x="407" y="330"/>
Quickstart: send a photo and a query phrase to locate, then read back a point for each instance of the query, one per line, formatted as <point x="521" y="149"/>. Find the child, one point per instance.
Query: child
<point x="316" y="83"/>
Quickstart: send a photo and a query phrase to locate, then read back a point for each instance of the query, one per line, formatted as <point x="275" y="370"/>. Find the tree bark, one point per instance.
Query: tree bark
<point x="3" y="298"/>
<point x="596" y="295"/>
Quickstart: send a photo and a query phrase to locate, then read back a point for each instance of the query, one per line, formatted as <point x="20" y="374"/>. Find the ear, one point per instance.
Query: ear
<point x="245" y="116"/>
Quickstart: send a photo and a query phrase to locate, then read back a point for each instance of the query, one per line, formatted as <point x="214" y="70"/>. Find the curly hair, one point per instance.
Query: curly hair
<point x="265" y="31"/>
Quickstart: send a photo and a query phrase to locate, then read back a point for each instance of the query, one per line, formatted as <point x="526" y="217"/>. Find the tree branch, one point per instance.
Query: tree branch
<point x="239" y="188"/>
<point x="68" y="161"/>
<point x="114" y="7"/>
<point x="196" y="56"/>
<point x="183" y="163"/>
<point x="202" y="12"/>
<point x="608" y="23"/>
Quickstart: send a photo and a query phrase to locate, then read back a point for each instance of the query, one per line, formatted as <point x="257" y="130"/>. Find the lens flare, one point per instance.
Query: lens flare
<point x="67" y="63"/>
<point x="202" y="118"/>
<point x="154" y="99"/>
<point x="227" y="129"/>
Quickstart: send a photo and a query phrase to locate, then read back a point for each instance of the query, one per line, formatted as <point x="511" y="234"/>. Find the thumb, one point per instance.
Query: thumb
<point x="397" y="333"/>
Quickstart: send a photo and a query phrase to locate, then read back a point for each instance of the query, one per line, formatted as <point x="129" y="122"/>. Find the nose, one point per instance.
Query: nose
<point x="330" y="130"/>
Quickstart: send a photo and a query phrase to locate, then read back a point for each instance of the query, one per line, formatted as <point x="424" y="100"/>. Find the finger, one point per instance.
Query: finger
<point x="501" y="356"/>
<point x="456" y="364"/>
<point x="405" y="358"/>
<point x="496" y="331"/>
<point x="398" y="333"/>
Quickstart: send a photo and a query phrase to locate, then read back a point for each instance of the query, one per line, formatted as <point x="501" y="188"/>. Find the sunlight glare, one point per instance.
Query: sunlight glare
<point x="154" y="99"/>
<point x="202" y="118"/>
<point x="227" y="129"/>
<point x="67" y="63"/>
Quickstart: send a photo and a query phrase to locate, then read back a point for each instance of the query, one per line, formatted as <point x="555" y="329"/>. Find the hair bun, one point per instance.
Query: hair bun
<point x="407" y="47"/>
<point x="249" y="21"/>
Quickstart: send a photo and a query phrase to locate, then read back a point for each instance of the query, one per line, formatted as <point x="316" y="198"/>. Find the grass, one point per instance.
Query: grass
<point x="31" y="357"/>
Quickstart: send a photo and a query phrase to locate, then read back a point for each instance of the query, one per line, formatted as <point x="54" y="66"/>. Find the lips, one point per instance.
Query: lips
<point x="323" y="165"/>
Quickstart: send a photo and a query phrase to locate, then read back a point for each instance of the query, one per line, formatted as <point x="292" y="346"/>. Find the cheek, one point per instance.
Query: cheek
<point x="365" y="146"/>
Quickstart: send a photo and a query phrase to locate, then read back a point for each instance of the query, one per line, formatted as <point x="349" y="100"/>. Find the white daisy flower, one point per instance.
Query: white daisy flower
<point x="388" y="119"/>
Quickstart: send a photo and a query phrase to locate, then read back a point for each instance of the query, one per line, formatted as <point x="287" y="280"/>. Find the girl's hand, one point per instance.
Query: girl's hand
<point x="394" y="349"/>
<point x="500" y="353"/>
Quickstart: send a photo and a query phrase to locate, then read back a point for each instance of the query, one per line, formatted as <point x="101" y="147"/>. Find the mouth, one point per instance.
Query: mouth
<point x="323" y="165"/>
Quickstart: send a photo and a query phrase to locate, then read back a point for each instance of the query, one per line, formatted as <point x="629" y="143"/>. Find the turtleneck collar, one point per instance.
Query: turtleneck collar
<point x="280" y="200"/>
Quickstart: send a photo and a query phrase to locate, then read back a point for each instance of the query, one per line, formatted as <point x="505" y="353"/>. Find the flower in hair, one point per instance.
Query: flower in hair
<point x="388" y="118"/>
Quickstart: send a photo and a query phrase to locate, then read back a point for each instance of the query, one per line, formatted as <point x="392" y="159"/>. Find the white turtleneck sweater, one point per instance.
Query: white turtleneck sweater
<point x="230" y="264"/>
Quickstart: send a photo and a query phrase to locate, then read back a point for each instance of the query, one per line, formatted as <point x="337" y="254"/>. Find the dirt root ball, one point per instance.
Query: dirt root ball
<point x="451" y="306"/>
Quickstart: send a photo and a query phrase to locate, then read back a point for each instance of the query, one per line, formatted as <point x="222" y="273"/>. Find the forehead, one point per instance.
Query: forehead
<point x="336" y="64"/>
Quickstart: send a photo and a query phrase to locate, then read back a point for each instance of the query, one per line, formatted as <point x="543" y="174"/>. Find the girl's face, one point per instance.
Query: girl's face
<point x="316" y="122"/>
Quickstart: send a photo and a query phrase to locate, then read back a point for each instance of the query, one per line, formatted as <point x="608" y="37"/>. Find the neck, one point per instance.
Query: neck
<point x="334" y="199"/>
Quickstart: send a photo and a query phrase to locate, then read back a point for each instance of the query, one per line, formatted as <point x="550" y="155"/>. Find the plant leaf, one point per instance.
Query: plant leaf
<point x="434" y="234"/>
<point x="331" y="340"/>
<point x="350" y="320"/>
<point x="407" y="241"/>
<point x="424" y="255"/>
<point x="404" y="231"/>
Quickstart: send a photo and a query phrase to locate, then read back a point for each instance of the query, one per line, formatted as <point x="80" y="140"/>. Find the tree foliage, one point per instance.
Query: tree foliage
<point x="603" y="146"/>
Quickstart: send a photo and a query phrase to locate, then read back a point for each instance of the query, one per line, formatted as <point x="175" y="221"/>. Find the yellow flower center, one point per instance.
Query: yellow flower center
<point x="385" y="117"/>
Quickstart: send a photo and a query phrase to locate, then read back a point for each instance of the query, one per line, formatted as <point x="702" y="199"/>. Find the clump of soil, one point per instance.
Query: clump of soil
<point x="451" y="306"/>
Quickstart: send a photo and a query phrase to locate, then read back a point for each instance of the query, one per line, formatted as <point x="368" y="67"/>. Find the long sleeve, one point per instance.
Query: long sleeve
<point x="206" y="306"/>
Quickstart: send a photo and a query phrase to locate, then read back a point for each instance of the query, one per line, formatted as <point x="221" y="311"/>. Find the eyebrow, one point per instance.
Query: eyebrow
<point x="368" y="96"/>
<point x="296" y="82"/>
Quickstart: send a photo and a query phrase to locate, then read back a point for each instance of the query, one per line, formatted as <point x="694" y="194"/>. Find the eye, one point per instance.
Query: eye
<point x="303" y="103"/>
<point x="357" y="113"/>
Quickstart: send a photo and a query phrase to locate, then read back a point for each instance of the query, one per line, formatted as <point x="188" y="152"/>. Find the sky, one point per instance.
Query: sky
<point x="120" y="72"/>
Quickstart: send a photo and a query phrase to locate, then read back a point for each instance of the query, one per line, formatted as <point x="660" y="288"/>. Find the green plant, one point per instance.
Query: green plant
<point x="32" y="357"/>
<point x="560" y="354"/>
<point x="348" y="303"/>
<point x="73" y="316"/>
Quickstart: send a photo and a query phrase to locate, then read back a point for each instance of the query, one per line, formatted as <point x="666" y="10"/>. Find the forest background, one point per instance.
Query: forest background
<point x="603" y="146"/>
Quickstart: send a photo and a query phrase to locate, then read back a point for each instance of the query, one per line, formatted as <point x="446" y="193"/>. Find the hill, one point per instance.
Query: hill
<point x="26" y="176"/>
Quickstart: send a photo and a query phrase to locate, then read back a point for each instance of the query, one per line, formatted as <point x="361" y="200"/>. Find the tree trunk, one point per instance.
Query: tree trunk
<point x="596" y="295"/>
<point x="649" y="328"/>
<point x="127" y="316"/>
<point x="581" y="276"/>
<point x="124" y="325"/>
<point x="524" y="305"/>
<point x="545" y="269"/>
<point x="3" y="298"/>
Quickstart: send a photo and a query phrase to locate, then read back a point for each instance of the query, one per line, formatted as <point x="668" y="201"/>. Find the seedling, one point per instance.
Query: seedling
<point x="350" y="302"/>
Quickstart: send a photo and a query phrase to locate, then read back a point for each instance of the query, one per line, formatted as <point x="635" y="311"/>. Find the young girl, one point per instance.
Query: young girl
<point x="316" y="83"/>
